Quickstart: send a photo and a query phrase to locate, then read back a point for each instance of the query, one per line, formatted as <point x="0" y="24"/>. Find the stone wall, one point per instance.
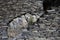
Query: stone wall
<point x="26" y="20"/>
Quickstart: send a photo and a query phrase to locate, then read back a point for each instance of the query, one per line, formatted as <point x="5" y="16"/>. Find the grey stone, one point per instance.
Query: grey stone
<point x="19" y="22"/>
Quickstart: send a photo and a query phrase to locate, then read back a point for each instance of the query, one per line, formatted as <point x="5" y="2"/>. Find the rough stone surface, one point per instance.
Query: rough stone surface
<point x="26" y="20"/>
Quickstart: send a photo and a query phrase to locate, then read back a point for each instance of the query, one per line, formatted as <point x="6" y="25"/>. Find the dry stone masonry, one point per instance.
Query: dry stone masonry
<point x="26" y="20"/>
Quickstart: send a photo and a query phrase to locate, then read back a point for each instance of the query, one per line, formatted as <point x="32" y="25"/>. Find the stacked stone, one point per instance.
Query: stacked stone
<point x="45" y="28"/>
<point x="29" y="21"/>
<point x="11" y="9"/>
<point x="30" y="11"/>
